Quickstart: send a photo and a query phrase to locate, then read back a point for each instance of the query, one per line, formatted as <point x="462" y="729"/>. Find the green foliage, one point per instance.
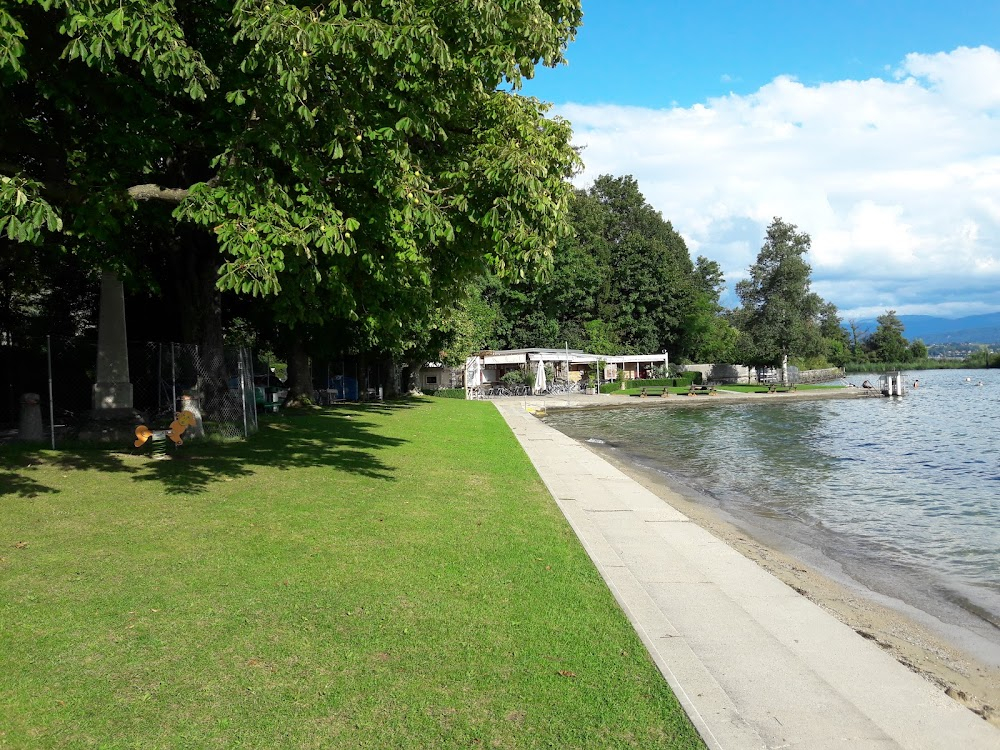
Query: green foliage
<point x="602" y="337"/>
<point x="887" y="343"/>
<point x="779" y="314"/>
<point x="679" y="382"/>
<point x="925" y="364"/>
<point x="982" y="358"/>
<point x="448" y="393"/>
<point x="517" y="377"/>
<point x="918" y="349"/>
<point x="623" y="282"/>
<point x="353" y="162"/>
<point x="650" y="292"/>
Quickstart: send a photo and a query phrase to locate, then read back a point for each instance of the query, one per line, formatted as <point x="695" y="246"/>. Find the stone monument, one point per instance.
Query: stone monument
<point x="113" y="415"/>
<point x="112" y="391"/>
<point x="30" y="427"/>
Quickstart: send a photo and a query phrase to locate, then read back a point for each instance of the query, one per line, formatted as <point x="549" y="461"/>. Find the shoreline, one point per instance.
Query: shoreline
<point x="917" y="646"/>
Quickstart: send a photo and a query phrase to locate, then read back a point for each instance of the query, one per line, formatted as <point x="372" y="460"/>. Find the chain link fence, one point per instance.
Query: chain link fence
<point x="62" y="371"/>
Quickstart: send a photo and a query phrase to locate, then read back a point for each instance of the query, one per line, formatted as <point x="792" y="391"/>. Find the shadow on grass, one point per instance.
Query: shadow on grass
<point x="340" y="438"/>
<point x="19" y="460"/>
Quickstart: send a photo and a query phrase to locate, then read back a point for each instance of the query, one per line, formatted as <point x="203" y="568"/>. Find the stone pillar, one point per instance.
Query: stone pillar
<point x="112" y="391"/>
<point x="30" y="428"/>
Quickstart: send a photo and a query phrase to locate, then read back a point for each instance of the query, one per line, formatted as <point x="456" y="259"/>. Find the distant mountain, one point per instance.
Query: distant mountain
<point x="972" y="329"/>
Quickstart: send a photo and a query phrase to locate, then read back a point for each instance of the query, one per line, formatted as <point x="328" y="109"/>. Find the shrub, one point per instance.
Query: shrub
<point x="515" y="377"/>
<point x="448" y="393"/>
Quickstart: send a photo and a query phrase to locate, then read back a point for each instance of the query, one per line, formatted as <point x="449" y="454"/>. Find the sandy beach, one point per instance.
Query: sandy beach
<point x="957" y="673"/>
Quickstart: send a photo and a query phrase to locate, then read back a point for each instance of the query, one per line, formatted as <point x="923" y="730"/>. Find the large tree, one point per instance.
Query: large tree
<point x="623" y="281"/>
<point x="779" y="313"/>
<point x="653" y="285"/>
<point x="887" y="343"/>
<point x="836" y="343"/>
<point x="354" y="161"/>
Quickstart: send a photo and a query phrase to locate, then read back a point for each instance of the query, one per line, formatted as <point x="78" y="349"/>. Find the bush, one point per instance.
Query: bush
<point x="515" y="377"/>
<point x="683" y="381"/>
<point x="448" y="392"/>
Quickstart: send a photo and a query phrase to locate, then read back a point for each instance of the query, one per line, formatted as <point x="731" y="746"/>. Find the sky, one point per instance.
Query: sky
<point x="872" y="126"/>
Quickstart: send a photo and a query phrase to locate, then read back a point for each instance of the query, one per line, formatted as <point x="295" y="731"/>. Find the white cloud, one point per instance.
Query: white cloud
<point x="897" y="181"/>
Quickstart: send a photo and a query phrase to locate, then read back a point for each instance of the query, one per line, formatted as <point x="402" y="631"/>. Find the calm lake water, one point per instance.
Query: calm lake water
<point x="901" y="495"/>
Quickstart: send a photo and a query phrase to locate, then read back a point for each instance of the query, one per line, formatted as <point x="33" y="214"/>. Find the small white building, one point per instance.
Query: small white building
<point x="568" y="365"/>
<point x="435" y="375"/>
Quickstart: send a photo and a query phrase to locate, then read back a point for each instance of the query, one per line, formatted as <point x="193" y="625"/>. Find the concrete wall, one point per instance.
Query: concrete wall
<point x="723" y="373"/>
<point x="743" y="374"/>
<point x="445" y="377"/>
<point x="820" y="376"/>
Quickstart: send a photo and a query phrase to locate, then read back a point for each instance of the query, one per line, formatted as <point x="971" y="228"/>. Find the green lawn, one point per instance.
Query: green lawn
<point x="655" y="390"/>
<point x="781" y="388"/>
<point x="365" y="577"/>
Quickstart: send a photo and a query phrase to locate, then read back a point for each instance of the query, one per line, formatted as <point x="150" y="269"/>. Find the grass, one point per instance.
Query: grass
<point x="781" y="388"/>
<point x="362" y="577"/>
<point x="655" y="390"/>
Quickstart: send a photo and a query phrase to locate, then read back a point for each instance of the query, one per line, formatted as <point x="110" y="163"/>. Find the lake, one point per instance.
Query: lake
<point x="898" y="495"/>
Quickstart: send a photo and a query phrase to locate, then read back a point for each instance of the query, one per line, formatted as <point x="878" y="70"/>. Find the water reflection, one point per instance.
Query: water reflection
<point x="906" y="486"/>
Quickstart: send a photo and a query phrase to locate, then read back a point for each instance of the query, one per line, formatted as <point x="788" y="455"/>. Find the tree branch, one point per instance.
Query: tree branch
<point x="157" y="192"/>
<point x="147" y="192"/>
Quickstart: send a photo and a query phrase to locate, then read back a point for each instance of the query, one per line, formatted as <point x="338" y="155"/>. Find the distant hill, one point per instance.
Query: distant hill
<point x="972" y="329"/>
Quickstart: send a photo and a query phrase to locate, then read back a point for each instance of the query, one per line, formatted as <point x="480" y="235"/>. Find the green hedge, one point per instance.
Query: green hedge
<point x="683" y="380"/>
<point x="447" y="392"/>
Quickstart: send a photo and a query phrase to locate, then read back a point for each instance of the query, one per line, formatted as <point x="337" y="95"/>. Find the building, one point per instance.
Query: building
<point x="569" y="366"/>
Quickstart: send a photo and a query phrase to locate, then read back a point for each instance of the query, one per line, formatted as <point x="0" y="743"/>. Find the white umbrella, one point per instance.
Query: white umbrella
<point x="540" y="384"/>
<point x="473" y="374"/>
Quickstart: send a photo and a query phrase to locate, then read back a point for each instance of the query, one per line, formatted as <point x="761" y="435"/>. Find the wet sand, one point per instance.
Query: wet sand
<point x="959" y="674"/>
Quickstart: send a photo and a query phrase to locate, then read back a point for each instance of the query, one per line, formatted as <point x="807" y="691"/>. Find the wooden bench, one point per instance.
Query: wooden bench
<point x="775" y="388"/>
<point x="694" y="390"/>
<point x="664" y="392"/>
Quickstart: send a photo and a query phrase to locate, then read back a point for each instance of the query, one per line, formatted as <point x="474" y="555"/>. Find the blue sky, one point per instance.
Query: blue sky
<point x="873" y="126"/>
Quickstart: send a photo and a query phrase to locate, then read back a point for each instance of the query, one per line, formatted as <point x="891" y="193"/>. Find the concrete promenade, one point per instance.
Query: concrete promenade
<point x="754" y="664"/>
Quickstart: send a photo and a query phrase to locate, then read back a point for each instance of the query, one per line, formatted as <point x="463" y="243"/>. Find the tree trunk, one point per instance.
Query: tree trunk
<point x="299" y="374"/>
<point x="199" y="308"/>
<point x="391" y="378"/>
<point x="413" y="379"/>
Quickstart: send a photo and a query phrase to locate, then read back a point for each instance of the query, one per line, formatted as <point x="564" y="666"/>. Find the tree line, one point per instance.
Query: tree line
<point x="358" y="178"/>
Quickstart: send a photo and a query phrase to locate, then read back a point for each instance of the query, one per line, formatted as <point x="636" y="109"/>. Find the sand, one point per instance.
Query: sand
<point x="959" y="674"/>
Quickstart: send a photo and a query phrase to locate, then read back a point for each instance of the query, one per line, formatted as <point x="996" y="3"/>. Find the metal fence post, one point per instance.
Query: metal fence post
<point x="253" y="390"/>
<point x="52" y="406"/>
<point x="243" y="390"/>
<point x="173" y="377"/>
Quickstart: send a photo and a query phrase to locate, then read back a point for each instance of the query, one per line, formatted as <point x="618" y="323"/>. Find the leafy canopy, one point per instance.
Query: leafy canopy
<point x="623" y="282"/>
<point x="779" y="314"/>
<point x="327" y="148"/>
